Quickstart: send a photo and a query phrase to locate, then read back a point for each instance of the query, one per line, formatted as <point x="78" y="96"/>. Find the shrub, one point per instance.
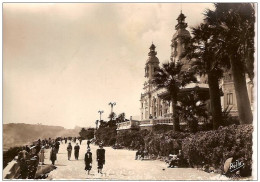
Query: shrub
<point x="215" y="147"/>
<point x="163" y="144"/>
<point x="87" y="133"/>
<point x="131" y="138"/>
<point x="162" y="128"/>
<point x="106" y="135"/>
<point x="205" y="148"/>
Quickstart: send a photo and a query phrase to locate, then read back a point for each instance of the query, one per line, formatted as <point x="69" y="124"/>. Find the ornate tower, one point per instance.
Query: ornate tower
<point x="151" y="64"/>
<point x="146" y="98"/>
<point x="178" y="40"/>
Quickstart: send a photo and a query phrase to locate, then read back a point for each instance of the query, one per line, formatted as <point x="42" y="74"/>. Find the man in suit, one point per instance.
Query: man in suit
<point x="100" y="157"/>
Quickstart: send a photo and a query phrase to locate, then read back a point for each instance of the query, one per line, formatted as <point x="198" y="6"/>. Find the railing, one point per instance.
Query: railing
<point x="163" y="121"/>
<point x="124" y="125"/>
<point x="127" y="125"/>
<point x="167" y="115"/>
<point x="145" y="122"/>
<point x="157" y="121"/>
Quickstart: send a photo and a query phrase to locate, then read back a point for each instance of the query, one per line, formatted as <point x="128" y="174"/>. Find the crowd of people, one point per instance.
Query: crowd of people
<point x="88" y="156"/>
<point x="31" y="156"/>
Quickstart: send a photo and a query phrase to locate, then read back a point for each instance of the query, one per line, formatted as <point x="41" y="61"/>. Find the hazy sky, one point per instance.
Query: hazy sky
<point x="64" y="62"/>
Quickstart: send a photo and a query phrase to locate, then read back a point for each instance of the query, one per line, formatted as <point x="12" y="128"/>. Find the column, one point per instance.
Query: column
<point x="170" y="105"/>
<point x="163" y="107"/>
<point x="149" y="106"/>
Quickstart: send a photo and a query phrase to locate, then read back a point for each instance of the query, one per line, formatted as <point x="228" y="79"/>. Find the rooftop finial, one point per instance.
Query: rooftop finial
<point x="152" y="50"/>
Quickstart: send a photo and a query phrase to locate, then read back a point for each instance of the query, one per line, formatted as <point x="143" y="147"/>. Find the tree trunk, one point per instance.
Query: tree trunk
<point x="243" y="104"/>
<point x="175" y="117"/>
<point x="215" y="103"/>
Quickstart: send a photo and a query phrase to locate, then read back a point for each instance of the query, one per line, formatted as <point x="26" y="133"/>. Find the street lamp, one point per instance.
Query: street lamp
<point x="100" y="113"/>
<point x="112" y="105"/>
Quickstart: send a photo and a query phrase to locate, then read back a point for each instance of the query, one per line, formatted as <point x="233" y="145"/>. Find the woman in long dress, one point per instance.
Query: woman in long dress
<point x="88" y="160"/>
<point x="53" y="155"/>
<point x="69" y="149"/>
<point x="76" y="151"/>
<point x="41" y="155"/>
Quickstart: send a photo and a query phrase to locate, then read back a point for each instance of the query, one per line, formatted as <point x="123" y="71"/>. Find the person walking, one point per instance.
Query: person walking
<point x="69" y="149"/>
<point x="100" y="157"/>
<point x="41" y="155"/>
<point x="80" y="140"/>
<point x="76" y="151"/>
<point x="57" y="146"/>
<point x="53" y="155"/>
<point x="88" y="143"/>
<point x="23" y="156"/>
<point x="88" y="160"/>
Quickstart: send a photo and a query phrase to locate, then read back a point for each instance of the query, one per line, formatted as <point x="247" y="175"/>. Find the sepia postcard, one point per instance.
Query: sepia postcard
<point x="129" y="91"/>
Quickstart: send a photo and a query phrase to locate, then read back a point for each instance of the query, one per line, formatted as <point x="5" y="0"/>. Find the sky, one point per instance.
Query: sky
<point x="63" y="62"/>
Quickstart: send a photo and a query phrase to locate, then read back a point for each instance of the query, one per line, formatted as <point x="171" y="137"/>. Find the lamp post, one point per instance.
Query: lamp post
<point x="100" y="113"/>
<point x="112" y="105"/>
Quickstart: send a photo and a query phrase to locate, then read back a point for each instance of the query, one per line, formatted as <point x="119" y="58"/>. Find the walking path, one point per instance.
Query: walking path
<point x="121" y="165"/>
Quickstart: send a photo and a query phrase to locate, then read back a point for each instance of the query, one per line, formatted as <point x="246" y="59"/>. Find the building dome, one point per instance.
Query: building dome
<point x="152" y="55"/>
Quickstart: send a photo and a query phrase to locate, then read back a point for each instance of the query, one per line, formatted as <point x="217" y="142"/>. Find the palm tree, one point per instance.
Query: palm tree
<point x="201" y="51"/>
<point x="112" y="104"/>
<point x="112" y="116"/>
<point x="233" y="25"/>
<point x="192" y="108"/>
<point x="121" y="117"/>
<point x="171" y="77"/>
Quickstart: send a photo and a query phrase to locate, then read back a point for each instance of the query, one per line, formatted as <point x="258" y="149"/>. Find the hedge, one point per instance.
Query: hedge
<point x="107" y="135"/>
<point x="205" y="148"/>
<point x="131" y="139"/>
<point x="214" y="147"/>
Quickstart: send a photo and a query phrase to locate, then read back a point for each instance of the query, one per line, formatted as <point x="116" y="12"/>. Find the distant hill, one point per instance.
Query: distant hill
<point x="17" y="134"/>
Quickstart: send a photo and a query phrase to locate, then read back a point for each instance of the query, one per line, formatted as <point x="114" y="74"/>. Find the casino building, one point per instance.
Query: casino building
<point x="156" y="106"/>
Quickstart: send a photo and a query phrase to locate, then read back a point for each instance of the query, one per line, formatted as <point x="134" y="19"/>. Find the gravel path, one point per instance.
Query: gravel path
<point x="120" y="165"/>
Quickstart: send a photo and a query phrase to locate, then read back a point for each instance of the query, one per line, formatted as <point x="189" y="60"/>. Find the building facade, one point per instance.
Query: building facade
<point x="228" y="100"/>
<point x="155" y="108"/>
